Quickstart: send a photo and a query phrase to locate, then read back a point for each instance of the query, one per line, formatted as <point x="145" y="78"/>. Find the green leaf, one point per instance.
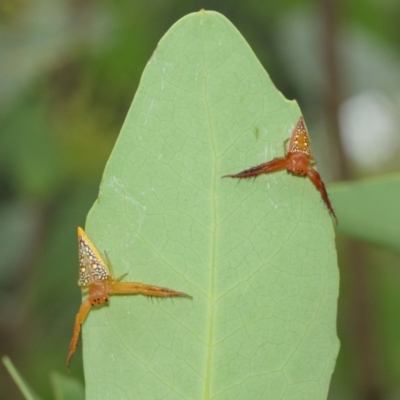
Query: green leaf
<point x="25" y="389"/>
<point x="257" y="256"/>
<point x="66" y="388"/>
<point x="369" y="210"/>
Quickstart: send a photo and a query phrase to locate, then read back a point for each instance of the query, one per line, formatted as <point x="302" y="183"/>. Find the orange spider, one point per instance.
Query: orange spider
<point x="298" y="161"/>
<point x="95" y="278"/>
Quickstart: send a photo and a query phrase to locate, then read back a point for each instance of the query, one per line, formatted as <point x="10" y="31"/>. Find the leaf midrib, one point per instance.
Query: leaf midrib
<point x="211" y="332"/>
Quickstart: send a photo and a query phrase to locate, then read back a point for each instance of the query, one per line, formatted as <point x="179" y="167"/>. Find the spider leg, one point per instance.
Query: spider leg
<point x="80" y="318"/>
<point x="315" y="178"/>
<point x="121" y="277"/>
<point x="285" y="147"/>
<point x="277" y="164"/>
<point x="109" y="264"/>
<point x="141" y="288"/>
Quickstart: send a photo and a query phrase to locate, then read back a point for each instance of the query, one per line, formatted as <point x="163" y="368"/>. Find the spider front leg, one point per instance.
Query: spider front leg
<point x="141" y="288"/>
<point x="315" y="178"/>
<point x="80" y="318"/>
<point x="277" y="164"/>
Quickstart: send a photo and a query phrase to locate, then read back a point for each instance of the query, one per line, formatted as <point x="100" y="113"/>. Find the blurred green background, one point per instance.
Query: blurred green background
<point x="68" y="73"/>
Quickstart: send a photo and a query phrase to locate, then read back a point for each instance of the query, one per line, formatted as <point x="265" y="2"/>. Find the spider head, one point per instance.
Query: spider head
<point x="96" y="300"/>
<point x="297" y="163"/>
<point x="98" y="293"/>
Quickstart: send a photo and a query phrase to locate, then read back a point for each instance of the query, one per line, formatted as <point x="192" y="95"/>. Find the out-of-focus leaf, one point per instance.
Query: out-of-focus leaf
<point x="39" y="37"/>
<point x="18" y="223"/>
<point x="257" y="256"/>
<point x="369" y="210"/>
<point x="29" y="153"/>
<point x="28" y="393"/>
<point x="67" y="388"/>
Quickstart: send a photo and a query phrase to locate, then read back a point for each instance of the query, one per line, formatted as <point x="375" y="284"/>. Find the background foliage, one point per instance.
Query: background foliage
<point x="68" y="73"/>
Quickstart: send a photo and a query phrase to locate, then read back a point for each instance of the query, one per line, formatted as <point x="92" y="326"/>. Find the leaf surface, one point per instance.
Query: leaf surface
<point x="257" y="256"/>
